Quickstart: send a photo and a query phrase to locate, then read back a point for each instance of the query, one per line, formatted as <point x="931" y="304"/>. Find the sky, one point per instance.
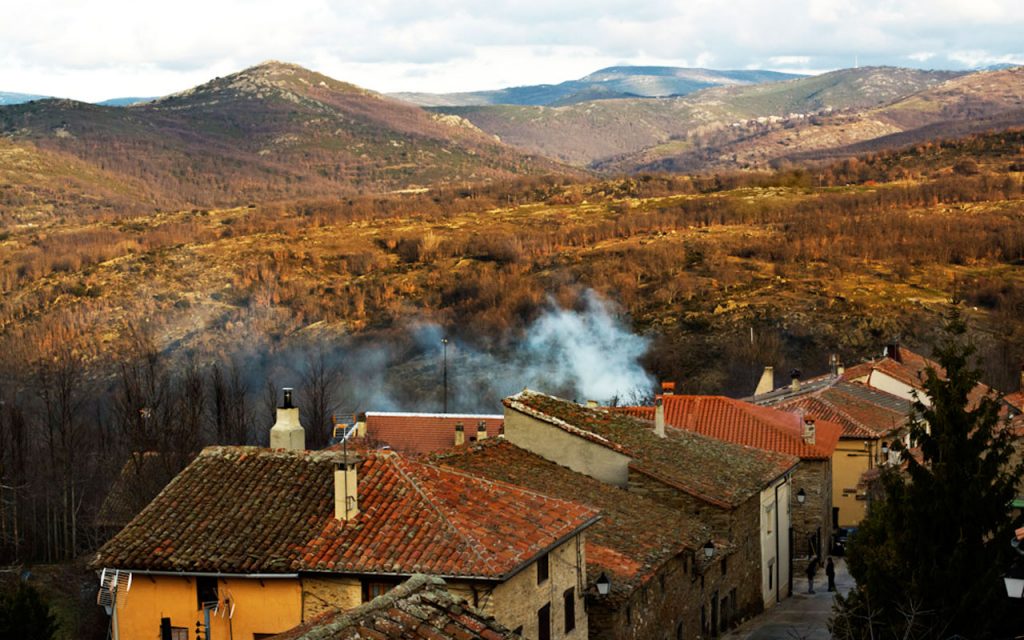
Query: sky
<point x="116" y="48"/>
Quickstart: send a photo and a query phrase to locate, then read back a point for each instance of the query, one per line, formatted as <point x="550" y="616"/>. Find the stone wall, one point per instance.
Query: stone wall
<point x="516" y="602"/>
<point x="814" y="515"/>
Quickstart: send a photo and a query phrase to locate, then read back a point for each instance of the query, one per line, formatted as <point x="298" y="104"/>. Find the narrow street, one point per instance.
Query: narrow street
<point x="803" y="616"/>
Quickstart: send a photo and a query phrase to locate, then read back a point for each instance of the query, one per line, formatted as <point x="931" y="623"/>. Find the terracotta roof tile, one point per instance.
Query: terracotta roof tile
<point x="635" y="534"/>
<point x="862" y="411"/>
<point x="422" y="433"/>
<point x="744" y="423"/>
<point x="720" y="472"/>
<point x="418" y="608"/>
<point x="252" y="510"/>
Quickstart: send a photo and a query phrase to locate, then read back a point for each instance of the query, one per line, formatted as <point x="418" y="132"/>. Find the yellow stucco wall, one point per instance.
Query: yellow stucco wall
<point x="849" y="462"/>
<point x="273" y="606"/>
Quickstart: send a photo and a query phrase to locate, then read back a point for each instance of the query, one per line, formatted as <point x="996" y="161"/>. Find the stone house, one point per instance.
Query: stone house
<point x="813" y="440"/>
<point x="740" y="492"/>
<point x="423" y="433"/>
<point x="251" y="542"/>
<point x="660" y="580"/>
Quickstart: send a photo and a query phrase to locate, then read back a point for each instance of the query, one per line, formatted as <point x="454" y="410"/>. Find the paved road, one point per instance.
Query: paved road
<point x="803" y="616"/>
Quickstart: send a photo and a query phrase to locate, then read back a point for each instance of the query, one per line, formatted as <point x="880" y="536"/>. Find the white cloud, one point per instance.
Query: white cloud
<point x="103" y="48"/>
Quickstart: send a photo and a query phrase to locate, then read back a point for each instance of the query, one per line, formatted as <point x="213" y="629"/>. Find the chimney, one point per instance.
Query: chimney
<point x="287" y="432"/>
<point x="593" y="404"/>
<point x="346" y="488"/>
<point x="767" y="381"/>
<point x="460" y="434"/>
<point x="359" y="419"/>
<point x="794" y="380"/>
<point x="808" y="430"/>
<point x="668" y="388"/>
<point x="833" y="364"/>
<point x="659" y="417"/>
<point x="481" y="431"/>
<point x="892" y="350"/>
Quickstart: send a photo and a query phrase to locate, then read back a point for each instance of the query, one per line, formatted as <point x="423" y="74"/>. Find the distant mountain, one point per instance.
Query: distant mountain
<point x="272" y="131"/>
<point x="609" y="83"/>
<point x="617" y="135"/>
<point x="7" y="97"/>
<point x="124" y="102"/>
<point x="970" y="103"/>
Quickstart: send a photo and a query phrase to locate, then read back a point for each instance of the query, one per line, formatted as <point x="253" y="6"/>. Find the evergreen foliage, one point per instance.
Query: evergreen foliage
<point x="25" y="616"/>
<point x="929" y="556"/>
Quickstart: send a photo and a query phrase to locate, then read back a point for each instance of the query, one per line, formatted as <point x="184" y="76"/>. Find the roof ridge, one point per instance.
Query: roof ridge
<point x="562" y="424"/>
<point x="475" y="549"/>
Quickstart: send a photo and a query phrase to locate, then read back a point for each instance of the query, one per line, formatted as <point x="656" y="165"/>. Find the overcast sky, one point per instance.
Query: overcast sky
<point x="97" y="49"/>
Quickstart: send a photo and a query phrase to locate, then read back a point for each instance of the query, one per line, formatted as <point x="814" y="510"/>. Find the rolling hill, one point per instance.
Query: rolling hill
<point x="976" y="102"/>
<point x="617" y="135"/>
<point x="269" y="132"/>
<point x="7" y="97"/>
<point x="605" y="84"/>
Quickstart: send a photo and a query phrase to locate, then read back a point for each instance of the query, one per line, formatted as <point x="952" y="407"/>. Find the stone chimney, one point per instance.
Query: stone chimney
<point x="767" y="381"/>
<point x="287" y="433"/>
<point x="460" y="434"/>
<point x="481" y="431"/>
<point x="346" y="488"/>
<point x="808" y="430"/>
<point x="794" y="380"/>
<point x="659" y="417"/>
<point x="668" y="388"/>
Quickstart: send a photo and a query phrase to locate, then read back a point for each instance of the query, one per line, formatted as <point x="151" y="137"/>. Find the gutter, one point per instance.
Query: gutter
<point x="208" y="574"/>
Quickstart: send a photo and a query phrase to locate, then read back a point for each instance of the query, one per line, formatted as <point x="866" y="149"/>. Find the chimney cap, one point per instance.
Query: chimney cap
<point x="795" y="374"/>
<point x="668" y="387"/>
<point x="286" y="402"/>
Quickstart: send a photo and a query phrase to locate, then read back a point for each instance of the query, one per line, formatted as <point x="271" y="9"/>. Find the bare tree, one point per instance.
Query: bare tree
<point x="318" y="397"/>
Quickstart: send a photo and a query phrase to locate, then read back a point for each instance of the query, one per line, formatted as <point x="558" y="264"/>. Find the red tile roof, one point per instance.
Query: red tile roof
<point x="910" y="368"/>
<point x="253" y="510"/>
<point x="635" y="535"/>
<point x="720" y="472"/>
<point x="863" y="412"/>
<point x="748" y="424"/>
<point x="419" y="608"/>
<point x="422" y="433"/>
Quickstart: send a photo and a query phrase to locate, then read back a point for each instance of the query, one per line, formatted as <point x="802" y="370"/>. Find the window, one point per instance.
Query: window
<point x="679" y="631"/>
<point x="167" y="632"/>
<point x="725" y="565"/>
<point x="372" y="589"/>
<point x="569" y="598"/>
<point x="542" y="569"/>
<point x="544" y="622"/>
<point x="206" y="591"/>
<point x="518" y="630"/>
<point x="629" y="615"/>
<point x="179" y="633"/>
<point x="661" y="582"/>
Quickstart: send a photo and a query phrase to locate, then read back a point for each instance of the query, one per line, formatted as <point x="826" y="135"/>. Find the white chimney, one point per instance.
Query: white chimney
<point x="659" y="418"/>
<point x="808" y="430"/>
<point x="481" y="431"/>
<point x="593" y="404"/>
<point x="287" y="433"/>
<point x="346" y="488"/>
<point x="460" y="434"/>
<point x="359" y="419"/>
<point x="767" y="381"/>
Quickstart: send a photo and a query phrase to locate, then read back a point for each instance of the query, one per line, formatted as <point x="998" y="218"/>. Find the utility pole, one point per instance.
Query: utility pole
<point x="444" y="346"/>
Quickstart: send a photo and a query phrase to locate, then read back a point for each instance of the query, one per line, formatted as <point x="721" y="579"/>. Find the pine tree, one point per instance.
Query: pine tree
<point x="25" y="616"/>
<point x="928" y="557"/>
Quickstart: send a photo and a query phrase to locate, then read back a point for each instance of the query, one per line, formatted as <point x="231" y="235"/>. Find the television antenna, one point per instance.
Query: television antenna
<point x="112" y="583"/>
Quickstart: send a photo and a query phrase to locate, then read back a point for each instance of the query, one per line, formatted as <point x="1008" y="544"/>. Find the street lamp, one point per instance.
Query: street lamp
<point x="604" y="585"/>
<point x="709" y="549"/>
<point x="801" y="496"/>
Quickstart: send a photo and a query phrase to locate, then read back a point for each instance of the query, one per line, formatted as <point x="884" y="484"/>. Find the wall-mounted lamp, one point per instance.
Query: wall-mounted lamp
<point x="709" y="549"/>
<point x="604" y="585"/>
<point x="801" y="496"/>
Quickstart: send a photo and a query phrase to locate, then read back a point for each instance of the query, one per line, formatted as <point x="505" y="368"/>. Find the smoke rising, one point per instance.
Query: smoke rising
<point x="587" y="353"/>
